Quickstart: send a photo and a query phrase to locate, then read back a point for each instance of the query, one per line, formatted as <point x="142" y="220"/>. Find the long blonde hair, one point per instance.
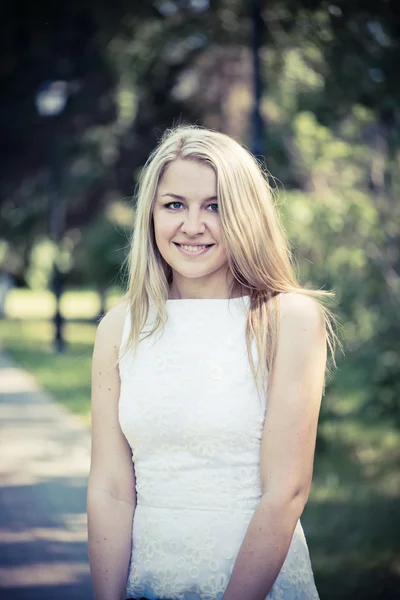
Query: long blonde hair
<point x="257" y="250"/>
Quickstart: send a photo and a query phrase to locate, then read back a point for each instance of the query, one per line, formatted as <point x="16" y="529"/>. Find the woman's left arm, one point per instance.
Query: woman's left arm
<point x="287" y="447"/>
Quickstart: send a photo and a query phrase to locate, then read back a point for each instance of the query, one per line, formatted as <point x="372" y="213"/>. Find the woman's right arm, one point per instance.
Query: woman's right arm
<point x="111" y="496"/>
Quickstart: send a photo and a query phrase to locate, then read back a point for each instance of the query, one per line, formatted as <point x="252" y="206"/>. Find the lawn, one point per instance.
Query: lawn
<point x="351" y="521"/>
<point x="27" y="335"/>
<point x="66" y="376"/>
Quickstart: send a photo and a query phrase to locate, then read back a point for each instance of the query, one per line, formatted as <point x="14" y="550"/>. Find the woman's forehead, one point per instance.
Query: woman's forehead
<point x="188" y="175"/>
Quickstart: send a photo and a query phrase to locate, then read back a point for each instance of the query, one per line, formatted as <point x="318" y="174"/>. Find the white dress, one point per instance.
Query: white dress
<point x="193" y="417"/>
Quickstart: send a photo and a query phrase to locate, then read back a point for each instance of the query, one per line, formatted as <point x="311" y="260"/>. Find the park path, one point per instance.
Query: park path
<point x="44" y="463"/>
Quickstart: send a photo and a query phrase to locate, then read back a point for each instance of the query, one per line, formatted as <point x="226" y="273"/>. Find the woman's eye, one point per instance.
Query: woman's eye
<point x="172" y="206"/>
<point x="172" y="203"/>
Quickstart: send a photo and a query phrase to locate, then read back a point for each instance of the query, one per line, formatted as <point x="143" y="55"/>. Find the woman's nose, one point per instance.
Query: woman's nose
<point x="193" y="223"/>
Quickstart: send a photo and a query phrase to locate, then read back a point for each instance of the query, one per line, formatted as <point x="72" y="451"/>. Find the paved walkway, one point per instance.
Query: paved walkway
<point x="44" y="462"/>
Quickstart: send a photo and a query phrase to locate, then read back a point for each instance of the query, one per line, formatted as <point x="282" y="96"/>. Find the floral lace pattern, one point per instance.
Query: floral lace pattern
<point x="193" y="418"/>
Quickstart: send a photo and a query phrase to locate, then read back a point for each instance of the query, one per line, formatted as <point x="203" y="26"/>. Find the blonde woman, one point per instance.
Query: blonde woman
<point x="207" y="385"/>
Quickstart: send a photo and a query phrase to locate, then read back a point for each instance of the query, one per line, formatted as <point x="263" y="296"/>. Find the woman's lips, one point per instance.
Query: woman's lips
<point x="189" y="253"/>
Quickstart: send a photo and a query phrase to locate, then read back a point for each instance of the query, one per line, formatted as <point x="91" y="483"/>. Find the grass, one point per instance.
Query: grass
<point x="351" y="521"/>
<point x="27" y="335"/>
<point x="66" y="376"/>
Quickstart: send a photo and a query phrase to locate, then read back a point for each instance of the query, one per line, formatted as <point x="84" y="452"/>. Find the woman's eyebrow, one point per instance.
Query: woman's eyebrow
<point x="178" y="197"/>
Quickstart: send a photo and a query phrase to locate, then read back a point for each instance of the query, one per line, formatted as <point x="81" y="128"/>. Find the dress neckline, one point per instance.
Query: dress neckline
<point x="206" y="299"/>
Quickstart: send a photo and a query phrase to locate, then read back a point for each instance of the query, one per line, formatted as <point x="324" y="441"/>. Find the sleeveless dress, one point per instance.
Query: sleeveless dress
<point x="192" y="415"/>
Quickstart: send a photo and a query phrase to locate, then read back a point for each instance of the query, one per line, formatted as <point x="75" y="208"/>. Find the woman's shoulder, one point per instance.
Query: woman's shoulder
<point x="302" y="308"/>
<point x="111" y="326"/>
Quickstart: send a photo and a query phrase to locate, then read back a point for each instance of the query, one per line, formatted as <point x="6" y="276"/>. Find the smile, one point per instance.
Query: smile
<point x="193" y="250"/>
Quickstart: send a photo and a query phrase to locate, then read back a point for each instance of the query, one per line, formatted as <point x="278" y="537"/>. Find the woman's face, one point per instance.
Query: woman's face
<point x="186" y="213"/>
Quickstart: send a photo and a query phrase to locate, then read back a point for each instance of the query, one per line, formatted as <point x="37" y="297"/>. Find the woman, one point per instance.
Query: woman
<point x="202" y="452"/>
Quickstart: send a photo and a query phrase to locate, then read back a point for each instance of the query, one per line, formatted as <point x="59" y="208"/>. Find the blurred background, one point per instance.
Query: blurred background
<point x="87" y="88"/>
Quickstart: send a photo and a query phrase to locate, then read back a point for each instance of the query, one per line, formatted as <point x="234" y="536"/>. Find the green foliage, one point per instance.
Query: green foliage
<point x="101" y="252"/>
<point x="39" y="271"/>
<point x="338" y="228"/>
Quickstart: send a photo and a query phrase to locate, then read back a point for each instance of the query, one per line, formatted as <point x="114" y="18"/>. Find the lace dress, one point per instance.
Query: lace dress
<point x="193" y="417"/>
